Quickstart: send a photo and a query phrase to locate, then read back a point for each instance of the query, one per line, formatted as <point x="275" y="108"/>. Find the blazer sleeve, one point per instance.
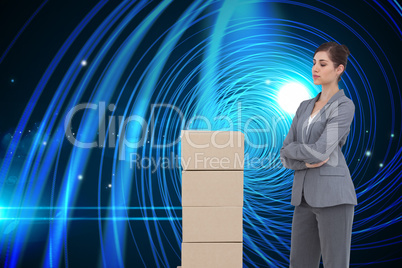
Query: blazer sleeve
<point x="338" y="125"/>
<point x="290" y="137"/>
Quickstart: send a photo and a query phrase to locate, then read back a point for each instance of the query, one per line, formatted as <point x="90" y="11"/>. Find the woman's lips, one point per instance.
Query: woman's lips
<point x="315" y="76"/>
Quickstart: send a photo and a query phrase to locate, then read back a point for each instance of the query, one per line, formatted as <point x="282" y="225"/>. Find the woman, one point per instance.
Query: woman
<point x="323" y="192"/>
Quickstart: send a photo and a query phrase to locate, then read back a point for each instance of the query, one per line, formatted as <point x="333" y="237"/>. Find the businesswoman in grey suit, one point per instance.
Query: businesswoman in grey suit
<point x="323" y="192"/>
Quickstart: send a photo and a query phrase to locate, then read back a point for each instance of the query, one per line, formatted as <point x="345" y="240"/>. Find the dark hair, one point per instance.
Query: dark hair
<point x="336" y="53"/>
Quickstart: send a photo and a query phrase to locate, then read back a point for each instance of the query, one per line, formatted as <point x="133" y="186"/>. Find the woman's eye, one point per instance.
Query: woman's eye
<point x="323" y="65"/>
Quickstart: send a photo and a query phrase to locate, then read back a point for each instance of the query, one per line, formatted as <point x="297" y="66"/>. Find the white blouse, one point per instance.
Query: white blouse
<point x="310" y="119"/>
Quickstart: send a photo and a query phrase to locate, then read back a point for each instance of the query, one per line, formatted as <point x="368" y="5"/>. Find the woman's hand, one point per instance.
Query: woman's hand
<point x="317" y="164"/>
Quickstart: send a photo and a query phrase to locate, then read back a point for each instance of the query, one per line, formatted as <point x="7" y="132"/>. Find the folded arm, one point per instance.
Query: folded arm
<point x="338" y="125"/>
<point x="293" y="164"/>
<point x="287" y="162"/>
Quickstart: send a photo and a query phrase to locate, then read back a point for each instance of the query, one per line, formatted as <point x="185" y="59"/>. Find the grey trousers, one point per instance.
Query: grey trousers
<point x="326" y="231"/>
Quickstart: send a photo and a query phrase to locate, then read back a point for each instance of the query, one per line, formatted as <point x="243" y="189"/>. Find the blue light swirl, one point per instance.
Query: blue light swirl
<point x="225" y="62"/>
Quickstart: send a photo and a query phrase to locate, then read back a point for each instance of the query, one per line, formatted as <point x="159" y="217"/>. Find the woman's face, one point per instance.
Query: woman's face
<point x="323" y="69"/>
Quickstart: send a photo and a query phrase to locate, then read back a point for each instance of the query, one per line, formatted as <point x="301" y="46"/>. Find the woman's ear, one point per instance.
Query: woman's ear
<point x="340" y="69"/>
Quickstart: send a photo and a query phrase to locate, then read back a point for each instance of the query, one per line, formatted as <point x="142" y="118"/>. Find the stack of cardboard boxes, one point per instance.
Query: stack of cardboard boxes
<point x="212" y="198"/>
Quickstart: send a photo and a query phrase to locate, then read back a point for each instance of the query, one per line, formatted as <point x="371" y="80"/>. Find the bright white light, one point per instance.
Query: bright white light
<point x="291" y="95"/>
<point x="110" y="186"/>
<point x="44" y="143"/>
<point x="80" y="177"/>
<point x="84" y="63"/>
<point x="267" y="82"/>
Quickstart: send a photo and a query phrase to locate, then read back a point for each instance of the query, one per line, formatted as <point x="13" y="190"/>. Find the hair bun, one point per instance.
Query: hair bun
<point x="346" y="49"/>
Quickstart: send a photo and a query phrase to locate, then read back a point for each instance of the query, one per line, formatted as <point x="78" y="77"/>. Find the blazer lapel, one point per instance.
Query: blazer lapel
<point x="310" y="107"/>
<point x="305" y="119"/>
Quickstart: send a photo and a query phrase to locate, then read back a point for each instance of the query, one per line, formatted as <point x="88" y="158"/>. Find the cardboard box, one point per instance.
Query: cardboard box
<point x="212" y="150"/>
<point x="212" y="255"/>
<point x="209" y="188"/>
<point x="212" y="224"/>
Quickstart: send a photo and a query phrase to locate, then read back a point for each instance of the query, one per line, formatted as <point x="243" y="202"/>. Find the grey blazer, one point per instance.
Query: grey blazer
<point x="329" y="184"/>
